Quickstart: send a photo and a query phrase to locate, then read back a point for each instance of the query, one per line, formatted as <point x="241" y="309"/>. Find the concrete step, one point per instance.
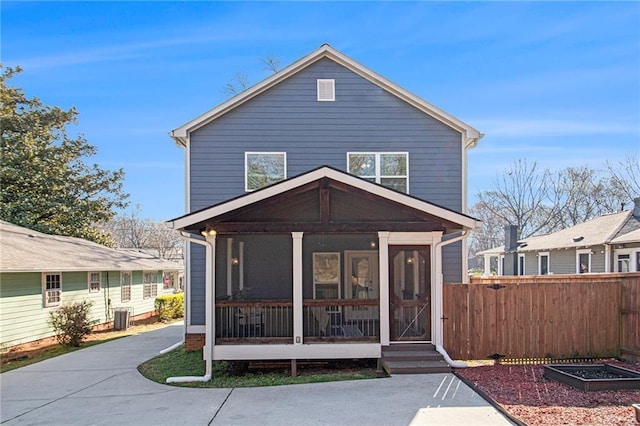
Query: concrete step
<point x="413" y="359"/>
<point x="409" y="347"/>
<point x="415" y="367"/>
<point x="412" y="356"/>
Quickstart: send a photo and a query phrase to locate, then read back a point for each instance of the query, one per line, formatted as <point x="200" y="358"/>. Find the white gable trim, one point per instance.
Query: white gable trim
<point x="469" y="134"/>
<point x="279" y="188"/>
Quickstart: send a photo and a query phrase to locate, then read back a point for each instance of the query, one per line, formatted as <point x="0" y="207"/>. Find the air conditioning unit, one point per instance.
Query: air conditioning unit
<point x="121" y="319"/>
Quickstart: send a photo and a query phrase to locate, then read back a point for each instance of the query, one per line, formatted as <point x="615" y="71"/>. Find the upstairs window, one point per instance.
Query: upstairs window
<point x="52" y="289"/>
<point x="389" y="169"/>
<point x="326" y="90"/>
<point x="263" y="169"/>
<point x="94" y="282"/>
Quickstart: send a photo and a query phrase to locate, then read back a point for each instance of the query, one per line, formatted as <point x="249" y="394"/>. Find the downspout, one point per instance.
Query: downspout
<point x="439" y="347"/>
<point x="208" y="336"/>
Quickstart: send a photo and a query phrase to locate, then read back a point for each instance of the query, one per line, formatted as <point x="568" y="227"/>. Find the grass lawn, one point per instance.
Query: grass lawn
<point x="232" y="374"/>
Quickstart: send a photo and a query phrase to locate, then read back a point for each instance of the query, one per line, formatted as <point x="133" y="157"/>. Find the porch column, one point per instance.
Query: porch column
<point x="383" y="261"/>
<point x="487" y="265"/>
<point x="297" y="288"/>
<point x="437" y="292"/>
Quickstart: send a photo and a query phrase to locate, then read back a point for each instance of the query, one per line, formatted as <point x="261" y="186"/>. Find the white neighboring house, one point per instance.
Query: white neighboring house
<point x="39" y="272"/>
<point x="606" y="244"/>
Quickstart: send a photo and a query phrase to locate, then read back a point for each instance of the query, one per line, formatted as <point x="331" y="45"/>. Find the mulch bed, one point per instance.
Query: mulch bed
<point x="523" y="392"/>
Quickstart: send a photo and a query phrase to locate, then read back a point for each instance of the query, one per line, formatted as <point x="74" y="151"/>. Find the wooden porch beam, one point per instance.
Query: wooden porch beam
<point x="286" y="227"/>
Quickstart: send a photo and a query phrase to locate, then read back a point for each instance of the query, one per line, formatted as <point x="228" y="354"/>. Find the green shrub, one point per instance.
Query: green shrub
<point x="169" y="306"/>
<point x="71" y="322"/>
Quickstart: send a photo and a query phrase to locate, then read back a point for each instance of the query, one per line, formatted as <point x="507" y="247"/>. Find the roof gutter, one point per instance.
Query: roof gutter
<point x="439" y="348"/>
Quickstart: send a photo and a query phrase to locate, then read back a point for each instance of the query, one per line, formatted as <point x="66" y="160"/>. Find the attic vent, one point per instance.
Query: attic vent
<point x="326" y="90"/>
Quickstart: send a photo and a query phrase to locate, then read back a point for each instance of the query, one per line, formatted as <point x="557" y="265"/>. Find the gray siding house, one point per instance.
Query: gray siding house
<point x="339" y="156"/>
<point x="608" y="243"/>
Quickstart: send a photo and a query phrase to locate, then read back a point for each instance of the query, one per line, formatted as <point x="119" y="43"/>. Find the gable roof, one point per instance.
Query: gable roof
<point x="183" y="222"/>
<point x="470" y="135"/>
<point x="606" y="229"/>
<point x="25" y="250"/>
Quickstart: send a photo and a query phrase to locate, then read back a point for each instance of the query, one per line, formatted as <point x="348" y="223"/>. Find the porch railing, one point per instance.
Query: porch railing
<point x="271" y="321"/>
<point x="341" y="320"/>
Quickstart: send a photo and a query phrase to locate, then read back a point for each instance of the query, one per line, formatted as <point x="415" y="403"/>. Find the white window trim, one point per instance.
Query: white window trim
<point x="522" y="261"/>
<point x="332" y="96"/>
<point x="632" y="252"/>
<point x="130" y="285"/>
<point x="378" y="176"/>
<point x="44" y="289"/>
<point x="246" y="169"/>
<point x="578" y="253"/>
<point x="89" y="282"/>
<point x="501" y="265"/>
<point x="154" y="294"/>
<point x="540" y="256"/>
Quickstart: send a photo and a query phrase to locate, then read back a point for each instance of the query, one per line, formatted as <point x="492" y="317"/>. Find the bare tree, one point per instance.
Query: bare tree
<point x="131" y="231"/>
<point x="165" y="242"/>
<point x="240" y="81"/>
<point x="583" y="193"/>
<point x="521" y="197"/>
<point x="625" y="175"/>
<point x="271" y="63"/>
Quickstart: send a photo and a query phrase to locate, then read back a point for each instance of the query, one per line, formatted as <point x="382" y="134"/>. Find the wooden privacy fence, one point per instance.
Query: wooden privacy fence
<point x="596" y="315"/>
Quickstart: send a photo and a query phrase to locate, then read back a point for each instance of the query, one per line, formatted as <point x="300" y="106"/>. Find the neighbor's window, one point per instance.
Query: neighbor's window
<point x="543" y="263"/>
<point x="638" y="261"/>
<point x="125" y="286"/>
<point x="326" y="90"/>
<point x="521" y="267"/>
<point x="389" y="169"/>
<point x="150" y="285"/>
<point x="624" y="263"/>
<point x="583" y="264"/>
<point x="52" y="289"/>
<point x="94" y="282"/>
<point x="168" y="281"/>
<point x="263" y="169"/>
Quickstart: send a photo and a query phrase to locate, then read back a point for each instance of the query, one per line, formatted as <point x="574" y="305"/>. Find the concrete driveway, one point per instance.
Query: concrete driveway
<point x="100" y="385"/>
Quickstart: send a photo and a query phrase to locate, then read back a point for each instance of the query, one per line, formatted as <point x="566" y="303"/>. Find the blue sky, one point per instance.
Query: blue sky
<point x="558" y="83"/>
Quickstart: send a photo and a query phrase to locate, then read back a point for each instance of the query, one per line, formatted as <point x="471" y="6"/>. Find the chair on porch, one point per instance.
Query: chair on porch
<point x="249" y="322"/>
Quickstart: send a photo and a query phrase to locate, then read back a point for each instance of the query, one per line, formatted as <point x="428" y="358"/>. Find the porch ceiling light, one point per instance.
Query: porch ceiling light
<point x="208" y="233"/>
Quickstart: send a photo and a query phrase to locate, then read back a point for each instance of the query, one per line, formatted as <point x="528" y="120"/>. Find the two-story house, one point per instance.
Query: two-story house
<point x="326" y="209"/>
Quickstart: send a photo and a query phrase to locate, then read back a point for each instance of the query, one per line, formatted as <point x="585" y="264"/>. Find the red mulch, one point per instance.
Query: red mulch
<point x="527" y="396"/>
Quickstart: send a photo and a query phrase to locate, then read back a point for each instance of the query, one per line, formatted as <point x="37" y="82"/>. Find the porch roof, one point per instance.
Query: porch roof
<point x="409" y="213"/>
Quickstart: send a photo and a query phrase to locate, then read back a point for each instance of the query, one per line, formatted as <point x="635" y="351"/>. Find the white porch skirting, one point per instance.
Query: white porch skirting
<point x="291" y="351"/>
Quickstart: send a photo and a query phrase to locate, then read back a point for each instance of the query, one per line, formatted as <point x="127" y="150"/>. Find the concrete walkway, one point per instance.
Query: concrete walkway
<point x="100" y="385"/>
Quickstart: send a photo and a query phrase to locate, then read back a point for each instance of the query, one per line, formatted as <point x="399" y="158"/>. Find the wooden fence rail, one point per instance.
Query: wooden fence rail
<point x="544" y="316"/>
